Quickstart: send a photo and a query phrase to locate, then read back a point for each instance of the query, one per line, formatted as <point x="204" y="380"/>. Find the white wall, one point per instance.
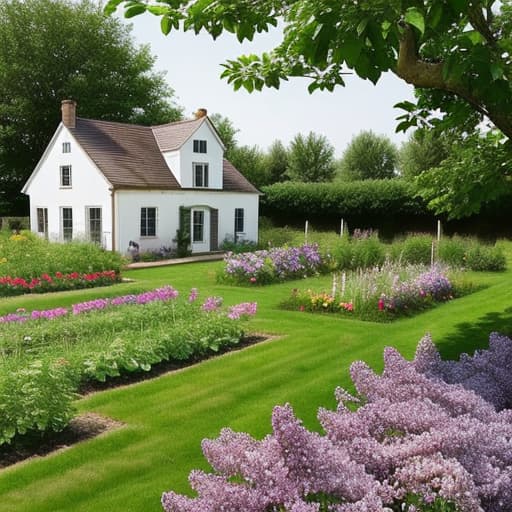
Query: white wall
<point x="129" y="203"/>
<point x="89" y="189"/>
<point x="213" y="157"/>
<point x="173" y="161"/>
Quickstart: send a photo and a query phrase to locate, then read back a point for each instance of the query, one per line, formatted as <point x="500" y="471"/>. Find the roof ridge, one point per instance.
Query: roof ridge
<point x="174" y="123"/>
<point x="131" y="125"/>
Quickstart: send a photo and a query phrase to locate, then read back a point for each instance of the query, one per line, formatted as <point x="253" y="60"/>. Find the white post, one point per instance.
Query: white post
<point x="343" y="283"/>
<point x="334" y="283"/>
<point x="342" y="227"/>
<point x="306" y="232"/>
<point x="438" y="230"/>
<point x="432" y="254"/>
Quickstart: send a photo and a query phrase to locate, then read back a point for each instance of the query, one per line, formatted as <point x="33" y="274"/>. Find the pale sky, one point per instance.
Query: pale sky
<point x="193" y="67"/>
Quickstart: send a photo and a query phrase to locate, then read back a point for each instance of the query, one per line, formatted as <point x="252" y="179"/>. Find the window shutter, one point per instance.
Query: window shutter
<point x="214" y="229"/>
<point x="185" y="220"/>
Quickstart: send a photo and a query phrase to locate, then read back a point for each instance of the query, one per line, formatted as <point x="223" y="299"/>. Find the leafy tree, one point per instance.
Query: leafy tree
<point x="226" y="131"/>
<point x="458" y="48"/>
<point x="369" y="156"/>
<point x="52" y="50"/>
<point x="424" y="149"/>
<point x="276" y="162"/>
<point x="250" y="161"/>
<point x="477" y="170"/>
<point x="311" y="159"/>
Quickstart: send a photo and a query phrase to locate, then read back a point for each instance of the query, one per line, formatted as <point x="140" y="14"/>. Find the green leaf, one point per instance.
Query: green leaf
<point x="134" y="11"/>
<point x="350" y="51"/>
<point x="496" y="71"/>
<point x="165" y="25"/>
<point x="111" y="6"/>
<point x="435" y="15"/>
<point x="362" y="26"/>
<point x="415" y="17"/>
<point x="157" y="10"/>
<point x="459" y="5"/>
<point x="405" y="105"/>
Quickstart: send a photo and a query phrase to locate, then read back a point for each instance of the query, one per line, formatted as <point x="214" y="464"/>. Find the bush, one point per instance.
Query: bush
<point x="421" y="437"/>
<point x="415" y="249"/>
<point x="238" y="247"/>
<point x="452" y="251"/>
<point x="485" y="258"/>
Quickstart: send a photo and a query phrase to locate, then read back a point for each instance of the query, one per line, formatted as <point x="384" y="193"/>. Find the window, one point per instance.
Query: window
<point x="66" y="223"/>
<point x="199" y="146"/>
<point x="42" y="221"/>
<point x="66" y="147"/>
<point x="93" y="215"/>
<point x="200" y="175"/>
<point x="148" y="221"/>
<point x="198" y="226"/>
<point x="65" y="176"/>
<point x="239" y="220"/>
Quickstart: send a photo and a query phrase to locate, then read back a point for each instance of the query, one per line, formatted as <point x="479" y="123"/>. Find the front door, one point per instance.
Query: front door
<point x="200" y="232"/>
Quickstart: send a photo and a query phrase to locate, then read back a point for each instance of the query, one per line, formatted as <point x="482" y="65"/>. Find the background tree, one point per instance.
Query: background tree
<point x="311" y="159"/>
<point x="369" y="156"/>
<point x="424" y="150"/>
<point x="226" y="131"/>
<point x="456" y="53"/>
<point x="51" y="50"/>
<point x="250" y="161"/>
<point x="276" y="162"/>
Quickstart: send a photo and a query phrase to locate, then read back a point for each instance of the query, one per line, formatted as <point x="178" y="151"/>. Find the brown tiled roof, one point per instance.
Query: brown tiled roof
<point x="126" y="154"/>
<point x="233" y="180"/>
<point x="130" y="156"/>
<point x="170" y="137"/>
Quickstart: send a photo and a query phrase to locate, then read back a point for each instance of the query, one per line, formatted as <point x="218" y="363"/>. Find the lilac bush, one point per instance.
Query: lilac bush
<point x="273" y="265"/>
<point x="422" y="438"/>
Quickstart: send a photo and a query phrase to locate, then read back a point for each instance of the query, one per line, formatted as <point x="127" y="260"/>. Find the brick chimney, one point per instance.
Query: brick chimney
<point x="68" y="108"/>
<point x="201" y="112"/>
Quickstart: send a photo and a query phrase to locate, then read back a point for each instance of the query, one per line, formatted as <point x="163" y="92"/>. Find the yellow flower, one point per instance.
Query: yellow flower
<point x="3" y="260"/>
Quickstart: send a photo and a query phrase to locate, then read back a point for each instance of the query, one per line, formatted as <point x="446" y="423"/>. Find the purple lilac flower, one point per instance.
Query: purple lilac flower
<point x="193" y="295"/>
<point x="211" y="304"/>
<point x="243" y="309"/>
<point x="415" y="433"/>
<point x="48" y="314"/>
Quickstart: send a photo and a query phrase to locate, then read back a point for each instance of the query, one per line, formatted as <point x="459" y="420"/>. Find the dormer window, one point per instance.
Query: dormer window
<point x="199" y="146"/>
<point x="201" y="175"/>
<point x="66" y="147"/>
<point x="65" y="176"/>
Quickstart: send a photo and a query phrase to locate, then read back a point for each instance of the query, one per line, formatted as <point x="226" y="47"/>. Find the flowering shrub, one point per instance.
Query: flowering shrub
<point x="415" y="443"/>
<point x="44" y="362"/>
<point x="379" y="293"/>
<point x="273" y="265"/>
<point x="46" y="283"/>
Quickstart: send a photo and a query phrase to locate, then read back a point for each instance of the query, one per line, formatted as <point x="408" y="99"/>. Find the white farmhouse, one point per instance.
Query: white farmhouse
<point x="114" y="182"/>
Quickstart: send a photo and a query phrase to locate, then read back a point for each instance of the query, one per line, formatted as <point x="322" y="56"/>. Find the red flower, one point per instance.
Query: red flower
<point x="381" y="305"/>
<point x="58" y="275"/>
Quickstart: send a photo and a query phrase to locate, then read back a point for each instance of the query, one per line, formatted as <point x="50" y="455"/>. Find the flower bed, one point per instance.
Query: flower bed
<point x="421" y="437"/>
<point x="274" y="265"/>
<point x="46" y="355"/>
<point x="58" y="282"/>
<point x="381" y="293"/>
<point x="29" y="264"/>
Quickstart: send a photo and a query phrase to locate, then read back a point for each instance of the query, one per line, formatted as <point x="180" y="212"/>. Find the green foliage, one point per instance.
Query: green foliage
<point x="250" y="161"/>
<point x="423" y="150"/>
<point x="44" y="361"/>
<point x="484" y="258"/>
<point x="369" y="156"/>
<point x="182" y="240"/>
<point x="275" y="237"/>
<point x="27" y="256"/>
<point x="229" y="245"/>
<point x="415" y="249"/>
<point x="476" y="172"/>
<point x="276" y="162"/>
<point x="341" y="199"/>
<point x="226" y="131"/>
<point x="54" y="50"/>
<point x="311" y="159"/>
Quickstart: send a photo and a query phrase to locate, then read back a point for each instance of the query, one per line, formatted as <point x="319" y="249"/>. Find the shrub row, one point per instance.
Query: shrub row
<point x="46" y="358"/>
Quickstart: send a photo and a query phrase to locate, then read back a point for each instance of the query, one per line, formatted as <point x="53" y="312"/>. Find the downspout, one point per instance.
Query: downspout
<point x="113" y="211"/>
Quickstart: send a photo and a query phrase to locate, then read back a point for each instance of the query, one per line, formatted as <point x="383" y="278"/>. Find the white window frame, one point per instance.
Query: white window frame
<point x="88" y="225"/>
<point x="204" y="174"/>
<point x="199" y="146"/>
<point x="66" y="147"/>
<point x="200" y="224"/>
<point x="62" y="168"/>
<point x="64" y="229"/>
<point x="146" y="225"/>
<point x="44" y="213"/>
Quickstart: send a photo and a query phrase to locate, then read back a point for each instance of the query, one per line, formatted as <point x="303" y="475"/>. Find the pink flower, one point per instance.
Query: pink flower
<point x="252" y="280"/>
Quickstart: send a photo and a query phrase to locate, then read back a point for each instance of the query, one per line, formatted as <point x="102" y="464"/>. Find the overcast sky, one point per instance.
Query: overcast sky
<point x="193" y="66"/>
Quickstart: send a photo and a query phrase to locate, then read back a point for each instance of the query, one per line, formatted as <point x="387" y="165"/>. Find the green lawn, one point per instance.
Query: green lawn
<point x="166" y="418"/>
